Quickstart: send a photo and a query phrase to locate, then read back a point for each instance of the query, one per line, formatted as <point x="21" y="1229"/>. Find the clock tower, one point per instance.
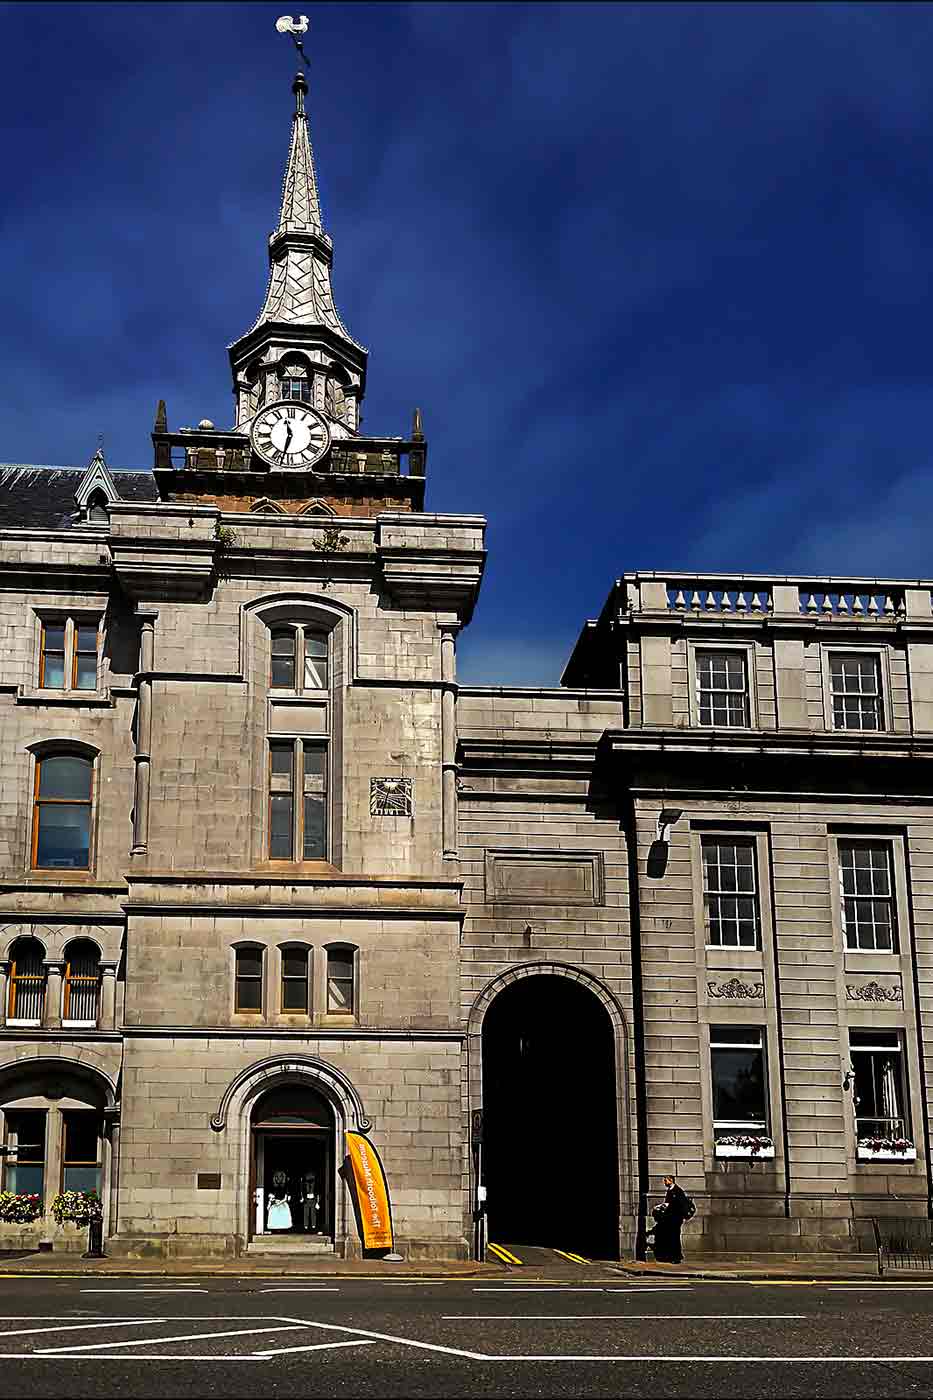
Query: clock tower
<point x="298" y="382"/>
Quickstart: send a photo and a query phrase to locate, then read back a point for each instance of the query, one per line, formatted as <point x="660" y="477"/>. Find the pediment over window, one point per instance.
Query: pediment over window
<point x="317" y="507"/>
<point x="266" y="507"/>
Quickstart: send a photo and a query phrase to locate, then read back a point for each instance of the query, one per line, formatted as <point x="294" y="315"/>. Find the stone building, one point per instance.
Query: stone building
<point x="268" y="875"/>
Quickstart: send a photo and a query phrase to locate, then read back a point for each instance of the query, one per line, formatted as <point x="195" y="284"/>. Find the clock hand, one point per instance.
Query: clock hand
<point x="288" y="437"/>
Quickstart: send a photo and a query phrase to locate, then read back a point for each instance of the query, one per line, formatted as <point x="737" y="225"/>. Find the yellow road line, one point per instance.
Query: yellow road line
<point x="503" y="1254"/>
<point x="574" y="1258"/>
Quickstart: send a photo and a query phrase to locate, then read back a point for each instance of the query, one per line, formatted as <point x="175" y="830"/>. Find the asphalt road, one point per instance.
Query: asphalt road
<point x="606" y="1336"/>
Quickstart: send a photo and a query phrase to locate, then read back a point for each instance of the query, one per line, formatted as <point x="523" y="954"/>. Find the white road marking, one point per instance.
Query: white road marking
<point x="524" y="1288"/>
<point x="303" y="1288"/>
<point x="139" y="1291"/>
<point x="388" y="1337"/>
<point x="315" y="1346"/>
<point x="76" y="1327"/>
<point x="163" y="1341"/>
<point x="622" y="1317"/>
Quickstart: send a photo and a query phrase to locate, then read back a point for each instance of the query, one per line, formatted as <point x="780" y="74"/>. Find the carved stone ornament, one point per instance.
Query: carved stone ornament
<point x="736" y="990"/>
<point x="390" y="797"/>
<point x="872" y="991"/>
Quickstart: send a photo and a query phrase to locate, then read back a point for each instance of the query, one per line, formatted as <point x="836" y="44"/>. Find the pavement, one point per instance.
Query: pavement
<point x="528" y="1262"/>
<point x="231" y="1337"/>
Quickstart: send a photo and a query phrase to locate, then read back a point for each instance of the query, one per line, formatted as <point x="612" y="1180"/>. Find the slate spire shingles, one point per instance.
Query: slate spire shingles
<point x="300" y="252"/>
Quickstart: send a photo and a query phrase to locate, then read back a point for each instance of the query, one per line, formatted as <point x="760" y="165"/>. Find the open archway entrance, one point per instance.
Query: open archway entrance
<point x="550" y="1132"/>
<point x="292" y="1133"/>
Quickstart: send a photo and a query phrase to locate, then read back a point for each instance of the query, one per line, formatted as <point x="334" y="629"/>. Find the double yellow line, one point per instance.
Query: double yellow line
<point x="574" y="1258"/>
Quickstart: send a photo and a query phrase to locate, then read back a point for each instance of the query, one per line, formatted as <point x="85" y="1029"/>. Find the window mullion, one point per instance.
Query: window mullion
<point x="298" y="803"/>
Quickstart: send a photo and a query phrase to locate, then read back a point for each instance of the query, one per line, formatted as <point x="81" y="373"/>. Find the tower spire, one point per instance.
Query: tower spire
<point x="301" y="205"/>
<point x="300" y="252"/>
<point x="298" y="324"/>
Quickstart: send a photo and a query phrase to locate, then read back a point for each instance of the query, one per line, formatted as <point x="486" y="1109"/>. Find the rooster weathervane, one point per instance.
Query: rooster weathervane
<point x="296" y="29"/>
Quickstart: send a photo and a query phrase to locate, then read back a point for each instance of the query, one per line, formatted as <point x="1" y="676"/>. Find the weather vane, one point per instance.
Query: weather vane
<point x="297" y="28"/>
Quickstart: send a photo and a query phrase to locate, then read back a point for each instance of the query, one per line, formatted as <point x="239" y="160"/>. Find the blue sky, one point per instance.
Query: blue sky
<point x="659" y="276"/>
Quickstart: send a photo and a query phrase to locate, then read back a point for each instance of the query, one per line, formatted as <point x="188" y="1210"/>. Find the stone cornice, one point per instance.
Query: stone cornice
<point x="758" y="743"/>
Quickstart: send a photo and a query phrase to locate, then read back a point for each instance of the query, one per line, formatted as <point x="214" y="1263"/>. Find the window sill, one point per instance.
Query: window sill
<point x="30" y="695"/>
<point x="19" y="1021"/>
<point x="79" y="1025"/>
<point x="885" y="1154"/>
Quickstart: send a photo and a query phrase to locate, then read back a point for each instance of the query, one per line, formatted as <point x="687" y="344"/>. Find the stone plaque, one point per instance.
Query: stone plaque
<point x="544" y="877"/>
<point x="209" y="1181"/>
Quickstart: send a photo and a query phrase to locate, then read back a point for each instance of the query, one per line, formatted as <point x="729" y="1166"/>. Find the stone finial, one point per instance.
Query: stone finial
<point x="417" y="427"/>
<point x="161" y="419"/>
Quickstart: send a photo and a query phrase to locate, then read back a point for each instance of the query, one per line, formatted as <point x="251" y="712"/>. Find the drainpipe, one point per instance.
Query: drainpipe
<point x="630" y="827"/>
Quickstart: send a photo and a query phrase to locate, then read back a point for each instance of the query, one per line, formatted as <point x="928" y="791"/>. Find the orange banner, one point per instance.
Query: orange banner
<point x="372" y="1193"/>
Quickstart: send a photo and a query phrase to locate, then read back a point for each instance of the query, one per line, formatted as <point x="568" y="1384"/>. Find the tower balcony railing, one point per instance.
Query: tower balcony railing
<point x="744" y="597"/>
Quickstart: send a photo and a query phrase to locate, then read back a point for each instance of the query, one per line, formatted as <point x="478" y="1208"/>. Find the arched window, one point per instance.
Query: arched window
<point x="27" y="981"/>
<point x="247" y="996"/>
<point x="97" y="512"/>
<point x="299" y="659"/>
<point x="341" y="980"/>
<point x="295" y="964"/>
<point x="61" y="822"/>
<point x="82" y="983"/>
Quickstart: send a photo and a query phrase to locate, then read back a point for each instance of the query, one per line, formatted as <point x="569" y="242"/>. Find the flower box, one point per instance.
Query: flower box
<point x="76" y="1207"/>
<point x="886" y="1150"/>
<point x="19" y="1207"/>
<point x="749" y="1145"/>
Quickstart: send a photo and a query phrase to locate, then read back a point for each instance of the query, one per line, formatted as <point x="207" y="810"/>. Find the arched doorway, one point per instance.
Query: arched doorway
<point x="550" y="1118"/>
<point x="292" y="1134"/>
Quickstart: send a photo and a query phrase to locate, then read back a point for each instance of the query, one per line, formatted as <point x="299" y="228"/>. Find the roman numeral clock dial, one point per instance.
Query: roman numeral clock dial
<point x="290" y="436"/>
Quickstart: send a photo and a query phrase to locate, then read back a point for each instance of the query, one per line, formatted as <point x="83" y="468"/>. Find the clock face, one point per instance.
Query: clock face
<point x="290" y="435"/>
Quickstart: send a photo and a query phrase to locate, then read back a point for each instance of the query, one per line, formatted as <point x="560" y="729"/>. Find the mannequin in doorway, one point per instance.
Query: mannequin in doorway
<point x="310" y="1200"/>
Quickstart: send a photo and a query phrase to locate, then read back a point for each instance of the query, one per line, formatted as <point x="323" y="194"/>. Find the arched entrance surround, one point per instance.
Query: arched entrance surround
<point x="512" y="978"/>
<point x="235" y="1116"/>
<point x="51" y="1090"/>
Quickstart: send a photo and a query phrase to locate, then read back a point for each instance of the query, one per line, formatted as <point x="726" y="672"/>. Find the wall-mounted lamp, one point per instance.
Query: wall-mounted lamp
<point x="848" y="1079"/>
<point x="666" y="819"/>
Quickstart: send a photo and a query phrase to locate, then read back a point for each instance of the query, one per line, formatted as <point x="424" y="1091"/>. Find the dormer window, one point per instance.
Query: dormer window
<point x="97" y="512"/>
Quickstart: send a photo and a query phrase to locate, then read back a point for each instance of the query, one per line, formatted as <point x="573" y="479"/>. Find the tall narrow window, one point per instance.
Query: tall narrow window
<point x="61" y="827"/>
<point x="52" y="656"/>
<point x="869" y="918"/>
<point x="295" y="980"/>
<point x="341" y="989"/>
<point x="880" y="1085"/>
<point x="81" y="1144"/>
<point x="82" y="983"/>
<point x="737" y="1058"/>
<point x="855" y="684"/>
<point x="730" y="892"/>
<point x="314" y="816"/>
<point x="297" y="765"/>
<point x="315" y="649"/>
<point x="84" y="670"/>
<point x="284" y="646"/>
<point x="24" y="1160"/>
<point x="248" y="980"/>
<point x="722" y="688"/>
<point x="27" y="982"/>
<point x="281" y="801"/>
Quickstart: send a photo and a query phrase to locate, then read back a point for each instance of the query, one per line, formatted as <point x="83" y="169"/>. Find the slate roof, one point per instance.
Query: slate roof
<point x="43" y="498"/>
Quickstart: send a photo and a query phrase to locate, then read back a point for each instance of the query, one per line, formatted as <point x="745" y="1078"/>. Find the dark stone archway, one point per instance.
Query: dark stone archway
<point x="551" y="1135"/>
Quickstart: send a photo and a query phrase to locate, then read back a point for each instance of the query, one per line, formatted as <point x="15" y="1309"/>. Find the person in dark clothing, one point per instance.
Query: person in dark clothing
<point x="668" y="1219"/>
